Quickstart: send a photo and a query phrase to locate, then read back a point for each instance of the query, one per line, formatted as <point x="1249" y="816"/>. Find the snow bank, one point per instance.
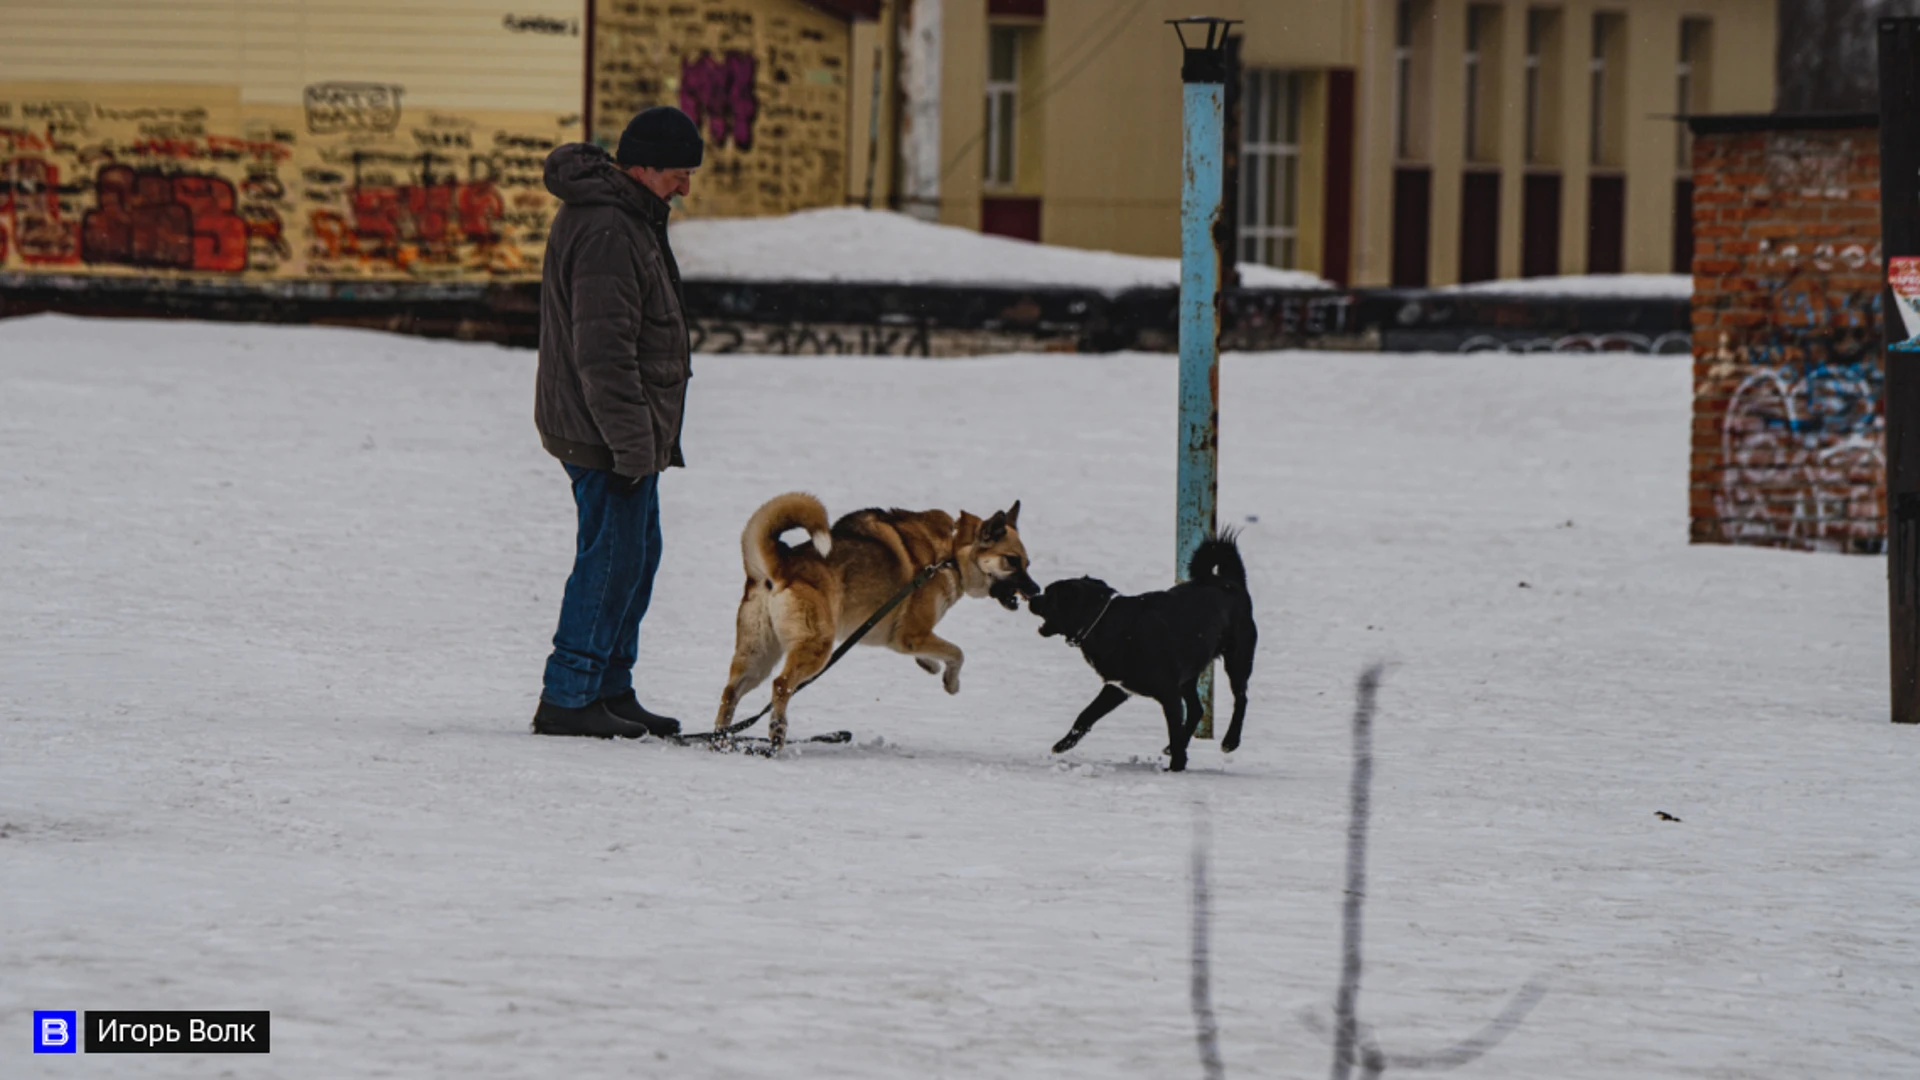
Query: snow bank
<point x="851" y="244"/>
<point x="1623" y="286"/>
<point x="274" y="603"/>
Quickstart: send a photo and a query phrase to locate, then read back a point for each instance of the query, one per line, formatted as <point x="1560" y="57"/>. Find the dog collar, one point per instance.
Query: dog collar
<point x="1082" y="635"/>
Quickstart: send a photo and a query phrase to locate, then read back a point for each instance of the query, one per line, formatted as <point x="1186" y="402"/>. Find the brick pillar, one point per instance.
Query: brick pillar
<point x="1788" y="446"/>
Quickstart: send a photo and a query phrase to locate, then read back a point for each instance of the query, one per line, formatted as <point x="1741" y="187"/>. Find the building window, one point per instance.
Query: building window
<point x="1003" y="104"/>
<point x="1474" y="21"/>
<point x="1542" y="41"/>
<point x="1603" y="132"/>
<point x="1412" y="53"/>
<point x="1690" y="92"/>
<point x="1270" y="168"/>
<point x="1483" y="83"/>
<point x="1402" y="75"/>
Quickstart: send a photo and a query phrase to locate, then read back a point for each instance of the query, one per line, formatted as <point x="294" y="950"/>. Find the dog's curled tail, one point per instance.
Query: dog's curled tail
<point x="760" y="545"/>
<point x="1218" y="560"/>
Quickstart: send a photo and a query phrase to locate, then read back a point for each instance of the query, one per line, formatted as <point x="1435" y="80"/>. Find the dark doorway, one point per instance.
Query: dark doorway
<point x="1479" y="226"/>
<point x="1606" y="224"/>
<point x="1412" y="225"/>
<point x="1540" y="225"/>
<point x="1011" y="215"/>
<point x="1683" y="226"/>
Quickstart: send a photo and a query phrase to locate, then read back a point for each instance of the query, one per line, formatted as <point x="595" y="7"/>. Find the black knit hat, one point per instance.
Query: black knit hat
<point x="662" y="137"/>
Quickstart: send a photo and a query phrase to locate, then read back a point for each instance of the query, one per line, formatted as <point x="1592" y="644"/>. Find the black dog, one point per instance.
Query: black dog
<point x="1157" y="644"/>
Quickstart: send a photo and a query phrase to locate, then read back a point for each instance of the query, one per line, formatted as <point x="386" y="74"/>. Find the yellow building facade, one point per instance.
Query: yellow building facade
<point x="334" y="139"/>
<point x="1373" y="141"/>
<point x="1412" y="142"/>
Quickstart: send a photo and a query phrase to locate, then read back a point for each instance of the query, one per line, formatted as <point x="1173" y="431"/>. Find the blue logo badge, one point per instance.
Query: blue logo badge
<point x="56" y="1032"/>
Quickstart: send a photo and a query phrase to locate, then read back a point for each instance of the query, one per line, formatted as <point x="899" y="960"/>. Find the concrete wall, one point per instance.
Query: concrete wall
<point x="1788" y="437"/>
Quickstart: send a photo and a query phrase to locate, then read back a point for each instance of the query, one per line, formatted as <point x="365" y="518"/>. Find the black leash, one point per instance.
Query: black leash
<point x="873" y="620"/>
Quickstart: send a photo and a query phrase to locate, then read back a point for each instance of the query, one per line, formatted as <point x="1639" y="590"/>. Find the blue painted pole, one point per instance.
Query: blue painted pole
<point x="1200" y="206"/>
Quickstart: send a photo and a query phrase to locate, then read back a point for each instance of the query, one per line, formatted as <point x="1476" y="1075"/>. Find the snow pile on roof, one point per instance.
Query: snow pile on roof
<point x="855" y="245"/>
<point x="1622" y="286"/>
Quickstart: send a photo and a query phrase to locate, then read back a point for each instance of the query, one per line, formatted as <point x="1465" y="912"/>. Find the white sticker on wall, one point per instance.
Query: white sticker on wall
<point x="1903" y="274"/>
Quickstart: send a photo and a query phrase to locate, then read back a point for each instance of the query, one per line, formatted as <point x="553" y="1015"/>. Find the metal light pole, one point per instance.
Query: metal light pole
<point x="1900" y="242"/>
<point x="1203" y="74"/>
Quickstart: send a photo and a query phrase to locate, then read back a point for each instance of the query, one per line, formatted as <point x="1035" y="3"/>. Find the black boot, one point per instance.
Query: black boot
<point x="593" y="720"/>
<point x="627" y="707"/>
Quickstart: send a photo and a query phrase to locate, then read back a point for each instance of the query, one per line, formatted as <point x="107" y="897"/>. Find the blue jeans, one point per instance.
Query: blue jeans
<point x="615" y="559"/>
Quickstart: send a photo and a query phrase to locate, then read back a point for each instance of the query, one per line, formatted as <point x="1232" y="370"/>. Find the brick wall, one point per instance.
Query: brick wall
<point x="1788" y="437"/>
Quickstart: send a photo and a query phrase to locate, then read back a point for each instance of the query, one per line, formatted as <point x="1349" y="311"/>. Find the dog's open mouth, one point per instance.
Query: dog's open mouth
<point x="1010" y="590"/>
<point x="1007" y="591"/>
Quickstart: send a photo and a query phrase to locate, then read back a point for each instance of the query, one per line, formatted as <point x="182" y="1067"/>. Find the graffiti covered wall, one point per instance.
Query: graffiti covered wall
<point x="355" y="182"/>
<point x="1788" y="434"/>
<point x="766" y="80"/>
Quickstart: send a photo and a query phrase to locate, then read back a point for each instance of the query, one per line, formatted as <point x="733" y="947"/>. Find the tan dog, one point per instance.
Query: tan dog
<point x="800" y="601"/>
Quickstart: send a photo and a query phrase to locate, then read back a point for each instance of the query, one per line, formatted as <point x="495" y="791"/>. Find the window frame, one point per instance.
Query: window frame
<point x="1270" y="163"/>
<point x="1000" y="154"/>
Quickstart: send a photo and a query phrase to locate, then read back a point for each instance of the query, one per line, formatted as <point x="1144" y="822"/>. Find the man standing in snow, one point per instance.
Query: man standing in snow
<point x="608" y="400"/>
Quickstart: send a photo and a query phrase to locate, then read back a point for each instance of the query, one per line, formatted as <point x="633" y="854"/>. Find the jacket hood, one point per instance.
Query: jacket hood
<point x="582" y="174"/>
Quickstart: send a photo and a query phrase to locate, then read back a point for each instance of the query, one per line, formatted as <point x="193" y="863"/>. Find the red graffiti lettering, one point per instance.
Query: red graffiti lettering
<point x="32" y="201"/>
<point x="427" y="214"/>
<point x="401" y="225"/>
<point x="175" y="222"/>
<point x="22" y="141"/>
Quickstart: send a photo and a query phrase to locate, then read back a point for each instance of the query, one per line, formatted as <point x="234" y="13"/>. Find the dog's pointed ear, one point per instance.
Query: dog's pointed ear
<point x="994" y="527"/>
<point x="966" y="529"/>
<point x="1013" y="515"/>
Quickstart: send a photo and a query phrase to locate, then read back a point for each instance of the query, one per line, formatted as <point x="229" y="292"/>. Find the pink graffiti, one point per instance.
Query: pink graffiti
<point x="719" y="93"/>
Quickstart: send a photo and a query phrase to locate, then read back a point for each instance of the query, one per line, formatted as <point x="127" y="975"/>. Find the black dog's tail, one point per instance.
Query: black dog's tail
<point x="1218" y="560"/>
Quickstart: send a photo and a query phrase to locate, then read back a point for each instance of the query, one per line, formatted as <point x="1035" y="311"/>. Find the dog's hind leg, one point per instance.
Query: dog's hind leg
<point x="1190" y="696"/>
<point x="756" y="649"/>
<point x="804" y="660"/>
<point x="805" y="627"/>
<point x="1239" y="665"/>
<point x="1108" y="700"/>
<point x="1177" y="731"/>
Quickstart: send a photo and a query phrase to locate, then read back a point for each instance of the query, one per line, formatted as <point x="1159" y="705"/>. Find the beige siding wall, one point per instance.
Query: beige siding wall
<point x="1114" y="127"/>
<point x="1738" y="79"/>
<point x="282" y="138"/>
<point x="1112" y="119"/>
<point x="402" y="139"/>
<point x="871" y="135"/>
<point x="448" y="54"/>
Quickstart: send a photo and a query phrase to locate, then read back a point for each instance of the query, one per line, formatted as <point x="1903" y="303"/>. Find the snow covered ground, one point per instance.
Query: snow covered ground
<point x="1609" y="286"/>
<point x="852" y="244"/>
<point x="274" y="602"/>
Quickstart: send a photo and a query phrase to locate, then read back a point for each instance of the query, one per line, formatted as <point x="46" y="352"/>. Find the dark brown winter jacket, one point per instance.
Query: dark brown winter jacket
<point x="614" y="357"/>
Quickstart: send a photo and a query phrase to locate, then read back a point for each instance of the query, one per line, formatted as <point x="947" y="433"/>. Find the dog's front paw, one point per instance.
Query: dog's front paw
<point x="1071" y="740"/>
<point x="1229" y="744"/>
<point x="952" y="679"/>
<point x="1177" y="765"/>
